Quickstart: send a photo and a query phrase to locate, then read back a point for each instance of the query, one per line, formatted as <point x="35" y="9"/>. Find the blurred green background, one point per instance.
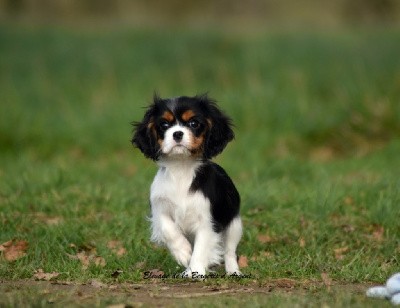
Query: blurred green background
<point x="239" y="14"/>
<point x="313" y="88"/>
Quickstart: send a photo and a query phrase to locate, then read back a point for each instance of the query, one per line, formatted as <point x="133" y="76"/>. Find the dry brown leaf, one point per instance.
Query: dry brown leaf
<point x="5" y="245"/>
<point x="121" y="251"/>
<point x="264" y="238"/>
<point x="97" y="284"/>
<point x="378" y="233"/>
<point x="86" y="258"/>
<point x="113" y="244"/>
<point x="302" y="242"/>
<point x="286" y="283"/>
<point x="40" y="275"/>
<point x="243" y="261"/>
<point x="99" y="261"/>
<point x="118" y="306"/>
<point x="326" y="280"/>
<point x="117" y="248"/>
<point x="267" y="254"/>
<point x="339" y="252"/>
<point x="13" y="249"/>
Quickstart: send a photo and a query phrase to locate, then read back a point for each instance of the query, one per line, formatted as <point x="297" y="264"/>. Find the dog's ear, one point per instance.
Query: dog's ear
<point x="145" y="135"/>
<point x="219" y="129"/>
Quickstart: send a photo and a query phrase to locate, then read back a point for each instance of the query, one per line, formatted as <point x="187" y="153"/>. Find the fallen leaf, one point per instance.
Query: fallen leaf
<point x="378" y="233"/>
<point x="99" y="261"/>
<point x="117" y="248"/>
<point x="243" y="261"/>
<point x="121" y="251"/>
<point x="13" y="249"/>
<point x="5" y="245"/>
<point x="118" y="306"/>
<point x="264" y="238"/>
<point x="326" y="280"/>
<point x="97" y="283"/>
<point x="286" y="283"/>
<point x="40" y="275"/>
<point x="267" y="254"/>
<point x="86" y="258"/>
<point x="339" y="252"/>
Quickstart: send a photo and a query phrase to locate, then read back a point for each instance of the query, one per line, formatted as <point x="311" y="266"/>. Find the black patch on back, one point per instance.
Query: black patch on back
<point x="217" y="186"/>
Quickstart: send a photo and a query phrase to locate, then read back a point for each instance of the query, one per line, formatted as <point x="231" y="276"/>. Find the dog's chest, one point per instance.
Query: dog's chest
<point x="170" y="194"/>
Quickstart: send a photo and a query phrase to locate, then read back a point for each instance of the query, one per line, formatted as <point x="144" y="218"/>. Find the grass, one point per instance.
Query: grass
<point x="315" y="157"/>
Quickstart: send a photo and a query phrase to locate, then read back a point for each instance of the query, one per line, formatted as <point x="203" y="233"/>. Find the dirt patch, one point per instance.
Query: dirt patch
<point x="157" y="292"/>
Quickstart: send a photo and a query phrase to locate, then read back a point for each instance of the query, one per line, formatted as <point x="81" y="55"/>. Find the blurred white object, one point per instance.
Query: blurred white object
<point x="396" y="299"/>
<point x="393" y="284"/>
<point x="378" y="292"/>
<point x="390" y="291"/>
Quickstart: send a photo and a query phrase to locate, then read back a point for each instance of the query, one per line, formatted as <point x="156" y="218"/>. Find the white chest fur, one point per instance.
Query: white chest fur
<point x="170" y="195"/>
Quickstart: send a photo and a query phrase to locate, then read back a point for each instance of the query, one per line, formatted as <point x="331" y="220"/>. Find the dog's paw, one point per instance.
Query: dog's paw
<point x="234" y="274"/>
<point x="195" y="273"/>
<point x="182" y="253"/>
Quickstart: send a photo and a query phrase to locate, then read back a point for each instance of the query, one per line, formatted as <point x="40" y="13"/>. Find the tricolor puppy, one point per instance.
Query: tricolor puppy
<point x="194" y="203"/>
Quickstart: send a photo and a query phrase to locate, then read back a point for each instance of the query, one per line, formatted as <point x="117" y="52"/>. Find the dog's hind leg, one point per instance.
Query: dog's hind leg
<point x="232" y="236"/>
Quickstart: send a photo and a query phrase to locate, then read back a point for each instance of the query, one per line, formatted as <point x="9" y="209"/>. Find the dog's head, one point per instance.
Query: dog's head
<point x="183" y="126"/>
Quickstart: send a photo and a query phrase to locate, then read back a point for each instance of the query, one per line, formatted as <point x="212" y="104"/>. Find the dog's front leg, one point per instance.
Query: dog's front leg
<point x="168" y="232"/>
<point x="205" y="248"/>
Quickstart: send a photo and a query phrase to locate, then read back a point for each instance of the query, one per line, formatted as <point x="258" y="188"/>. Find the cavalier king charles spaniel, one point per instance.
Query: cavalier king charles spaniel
<point x="194" y="203"/>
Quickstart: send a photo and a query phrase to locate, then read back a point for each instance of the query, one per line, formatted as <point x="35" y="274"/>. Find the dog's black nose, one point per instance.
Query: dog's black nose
<point x="178" y="135"/>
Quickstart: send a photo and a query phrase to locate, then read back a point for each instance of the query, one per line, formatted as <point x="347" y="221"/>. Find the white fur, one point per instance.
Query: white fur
<point x="390" y="291"/>
<point x="232" y="237"/>
<point x="171" y="147"/>
<point x="182" y="220"/>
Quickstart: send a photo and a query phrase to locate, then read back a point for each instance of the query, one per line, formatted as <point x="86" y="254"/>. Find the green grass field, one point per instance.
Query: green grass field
<point x="316" y="155"/>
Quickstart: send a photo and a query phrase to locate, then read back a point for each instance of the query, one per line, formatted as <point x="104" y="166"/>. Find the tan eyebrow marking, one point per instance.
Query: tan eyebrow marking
<point x="187" y="115"/>
<point x="167" y="115"/>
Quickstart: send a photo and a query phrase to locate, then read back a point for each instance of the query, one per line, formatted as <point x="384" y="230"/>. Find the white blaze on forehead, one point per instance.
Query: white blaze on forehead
<point x="170" y="146"/>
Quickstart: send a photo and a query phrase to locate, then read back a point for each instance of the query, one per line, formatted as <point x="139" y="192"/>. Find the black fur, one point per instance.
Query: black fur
<point x="143" y="138"/>
<point x="216" y="185"/>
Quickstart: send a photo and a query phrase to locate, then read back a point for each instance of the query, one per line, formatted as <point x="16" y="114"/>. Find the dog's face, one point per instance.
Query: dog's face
<point x="183" y="126"/>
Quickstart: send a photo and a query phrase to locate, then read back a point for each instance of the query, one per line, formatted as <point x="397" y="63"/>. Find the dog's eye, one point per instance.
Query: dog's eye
<point x="194" y="124"/>
<point x="164" y="125"/>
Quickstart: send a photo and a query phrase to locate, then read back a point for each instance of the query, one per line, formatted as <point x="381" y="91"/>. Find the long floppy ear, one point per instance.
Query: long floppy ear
<point x="220" y="129"/>
<point x="145" y="136"/>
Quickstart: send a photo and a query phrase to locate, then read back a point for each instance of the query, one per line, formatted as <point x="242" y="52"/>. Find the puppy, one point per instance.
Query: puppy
<point x="194" y="203"/>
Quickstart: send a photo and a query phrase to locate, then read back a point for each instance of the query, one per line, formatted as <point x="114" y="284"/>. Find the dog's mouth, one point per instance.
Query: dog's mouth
<point x="179" y="149"/>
